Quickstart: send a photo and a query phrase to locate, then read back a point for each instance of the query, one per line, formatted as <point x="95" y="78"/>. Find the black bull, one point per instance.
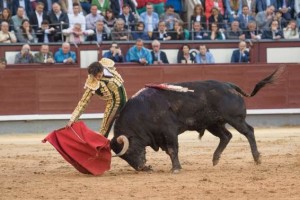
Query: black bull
<point x="155" y="118"/>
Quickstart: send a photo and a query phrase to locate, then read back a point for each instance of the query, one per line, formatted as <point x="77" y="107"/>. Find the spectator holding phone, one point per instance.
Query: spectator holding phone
<point x="24" y="56"/>
<point x="114" y="53"/>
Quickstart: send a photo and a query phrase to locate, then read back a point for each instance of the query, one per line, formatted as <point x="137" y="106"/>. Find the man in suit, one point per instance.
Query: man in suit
<point x="240" y="55"/>
<point x="44" y="55"/>
<point x="128" y="17"/>
<point x="245" y="17"/>
<point x="116" y="6"/>
<point x="251" y="5"/>
<point x="158" y="56"/>
<point x="100" y="33"/>
<point x="262" y="5"/>
<point x="114" y="53"/>
<point x="38" y="16"/>
<point x="59" y="20"/>
<point x="161" y="32"/>
<point x="286" y="7"/>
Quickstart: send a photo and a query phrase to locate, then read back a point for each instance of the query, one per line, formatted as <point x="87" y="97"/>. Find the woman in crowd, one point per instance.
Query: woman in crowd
<point x="291" y="31"/>
<point x="26" y="34"/>
<point x="198" y="16"/>
<point x="184" y="55"/>
<point x="6" y="16"/>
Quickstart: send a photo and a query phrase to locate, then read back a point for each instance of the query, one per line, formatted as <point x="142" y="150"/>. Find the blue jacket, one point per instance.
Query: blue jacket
<point x="261" y="5"/>
<point x="60" y="56"/>
<point x="134" y="55"/>
<point x="208" y="57"/>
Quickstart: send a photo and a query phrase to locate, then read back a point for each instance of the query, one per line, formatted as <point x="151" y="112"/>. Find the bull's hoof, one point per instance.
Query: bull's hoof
<point x="146" y="169"/>
<point x="215" y="162"/>
<point x="176" y="171"/>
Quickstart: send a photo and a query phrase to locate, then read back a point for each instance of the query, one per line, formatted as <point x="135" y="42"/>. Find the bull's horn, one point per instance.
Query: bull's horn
<point x="122" y="139"/>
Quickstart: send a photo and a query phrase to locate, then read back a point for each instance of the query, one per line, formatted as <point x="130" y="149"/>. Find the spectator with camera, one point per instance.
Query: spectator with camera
<point x="24" y="56"/>
<point x="114" y="53"/>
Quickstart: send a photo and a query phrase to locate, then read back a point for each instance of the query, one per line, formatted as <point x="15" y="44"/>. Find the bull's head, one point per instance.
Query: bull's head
<point x="131" y="151"/>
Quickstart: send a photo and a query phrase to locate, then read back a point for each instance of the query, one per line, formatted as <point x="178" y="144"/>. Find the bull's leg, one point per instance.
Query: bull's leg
<point x="224" y="135"/>
<point x="248" y="131"/>
<point x="172" y="151"/>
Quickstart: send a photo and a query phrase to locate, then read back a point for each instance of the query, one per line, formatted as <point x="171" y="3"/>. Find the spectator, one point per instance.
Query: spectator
<point x="44" y="55"/>
<point x="158" y="6"/>
<point x="117" y="7"/>
<point x="138" y="53"/>
<point x="176" y="4"/>
<point x="245" y="17"/>
<point x="76" y="34"/>
<point x="24" y="56"/>
<point x="128" y="17"/>
<point x="102" y="5"/>
<point x="297" y="12"/>
<point x="45" y="34"/>
<point x="197" y="32"/>
<point x="233" y="9"/>
<point x="198" y="16"/>
<point x="67" y="6"/>
<point x="291" y="31"/>
<point x="59" y="20"/>
<point x="26" y="34"/>
<point x="5" y="35"/>
<point x="262" y="5"/>
<point x="38" y="16"/>
<point x="282" y="22"/>
<point x="234" y="32"/>
<point x="100" y="33"/>
<point x="240" y="55"/>
<point x="18" y="18"/>
<point x="161" y="32"/>
<point x="48" y="5"/>
<point x="184" y="56"/>
<point x="274" y="33"/>
<point x="170" y="17"/>
<point x="25" y="4"/>
<point x="215" y="33"/>
<point x="179" y="33"/>
<point x="65" y="55"/>
<point x="150" y="19"/>
<point x="114" y="53"/>
<point x="5" y="16"/>
<point x="204" y="56"/>
<point x="86" y="6"/>
<point x="109" y="19"/>
<point x="251" y="33"/>
<point x="6" y="5"/>
<point x="264" y="18"/>
<point x="139" y="32"/>
<point x="76" y="18"/>
<point x="251" y="4"/>
<point x="158" y="56"/>
<point x="211" y="4"/>
<point x="119" y="32"/>
<point x="286" y="7"/>
<point x="217" y="18"/>
<point x="92" y="18"/>
<point x="2" y="63"/>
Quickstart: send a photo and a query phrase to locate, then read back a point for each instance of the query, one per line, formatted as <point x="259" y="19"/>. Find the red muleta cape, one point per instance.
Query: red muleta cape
<point x="88" y="151"/>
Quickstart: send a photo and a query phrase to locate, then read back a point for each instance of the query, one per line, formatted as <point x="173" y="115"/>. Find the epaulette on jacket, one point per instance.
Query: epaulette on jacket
<point x="92" y="83"/>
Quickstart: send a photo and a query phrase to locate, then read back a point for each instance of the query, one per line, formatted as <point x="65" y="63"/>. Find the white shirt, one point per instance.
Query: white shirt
<point x="39" y="18"/>
<point x="79" y="18"/>
<point x="149" y="23"/>
<point x="70" y="6"/>
<point x="4" y="3"/>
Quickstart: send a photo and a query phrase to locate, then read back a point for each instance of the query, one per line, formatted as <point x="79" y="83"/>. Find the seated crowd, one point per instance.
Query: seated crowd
<point x="47" y="21"/>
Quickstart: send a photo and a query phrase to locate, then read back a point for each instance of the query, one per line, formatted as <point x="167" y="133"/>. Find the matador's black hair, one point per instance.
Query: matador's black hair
<point x="95" y="68"/>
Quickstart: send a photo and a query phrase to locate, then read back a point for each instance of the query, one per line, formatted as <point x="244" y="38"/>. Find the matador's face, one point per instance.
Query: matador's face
<point x="99" y="76"/>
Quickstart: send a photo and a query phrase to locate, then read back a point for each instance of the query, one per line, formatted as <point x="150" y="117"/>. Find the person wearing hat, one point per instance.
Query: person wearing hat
<point x="105" y="81"/>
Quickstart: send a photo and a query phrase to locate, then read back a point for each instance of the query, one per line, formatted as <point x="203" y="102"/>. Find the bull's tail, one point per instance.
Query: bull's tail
<point x="268" y="80"/>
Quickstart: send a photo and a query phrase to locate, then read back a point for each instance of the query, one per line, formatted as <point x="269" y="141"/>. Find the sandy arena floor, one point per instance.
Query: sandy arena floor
<point x="32" y="170"/>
